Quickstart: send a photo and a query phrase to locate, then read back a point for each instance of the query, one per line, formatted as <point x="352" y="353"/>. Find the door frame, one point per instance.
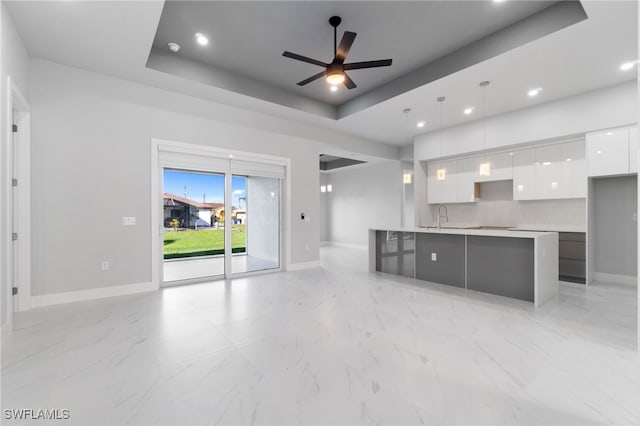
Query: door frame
<point x="203" y="151"/>
<point x="17" y="165"/>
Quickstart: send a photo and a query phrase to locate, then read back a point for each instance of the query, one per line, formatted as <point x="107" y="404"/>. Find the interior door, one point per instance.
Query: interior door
<point x="15" y="217"/>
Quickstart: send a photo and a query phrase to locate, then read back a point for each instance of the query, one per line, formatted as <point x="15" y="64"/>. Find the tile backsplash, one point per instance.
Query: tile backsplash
<point x="496" y="207"/>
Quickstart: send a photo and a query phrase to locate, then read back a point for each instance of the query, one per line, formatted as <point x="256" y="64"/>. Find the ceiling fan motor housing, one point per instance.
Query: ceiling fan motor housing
<point x="335" y="73"/>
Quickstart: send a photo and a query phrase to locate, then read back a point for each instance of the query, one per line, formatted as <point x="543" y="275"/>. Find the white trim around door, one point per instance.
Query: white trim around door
<point x="17" y="165"/>
<point x="204" y="155"/>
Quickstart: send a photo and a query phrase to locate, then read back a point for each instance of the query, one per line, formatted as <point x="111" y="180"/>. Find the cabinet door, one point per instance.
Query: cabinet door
<point x="465" y="180"/>
<point x="524" y="174"/>
<point x="574" y="170"/>
<point x="633" y="150"/>
<point x="549" y="183"/>
<point x="500" y="164"/>
<point x="441" y="182"/>
<point x="608" y="153"/>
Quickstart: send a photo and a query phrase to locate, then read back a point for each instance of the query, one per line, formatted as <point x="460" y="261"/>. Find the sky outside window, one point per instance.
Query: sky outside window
<point x="204" y="187"/>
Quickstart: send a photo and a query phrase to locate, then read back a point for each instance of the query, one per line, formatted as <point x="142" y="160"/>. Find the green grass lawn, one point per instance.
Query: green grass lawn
<point x="205" y="242"/>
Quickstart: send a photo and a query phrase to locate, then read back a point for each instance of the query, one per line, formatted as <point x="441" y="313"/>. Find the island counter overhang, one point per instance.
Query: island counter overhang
<point x="517" y="264"/>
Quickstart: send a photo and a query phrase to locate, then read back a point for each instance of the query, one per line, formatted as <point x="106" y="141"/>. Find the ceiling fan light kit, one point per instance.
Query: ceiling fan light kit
<point x="334" y="72"/>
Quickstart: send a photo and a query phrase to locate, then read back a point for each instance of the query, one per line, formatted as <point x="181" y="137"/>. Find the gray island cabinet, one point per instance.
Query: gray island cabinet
<point x="520" y="265"/>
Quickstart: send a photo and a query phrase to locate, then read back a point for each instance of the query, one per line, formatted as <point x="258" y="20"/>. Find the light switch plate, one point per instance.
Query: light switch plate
<point x="128" y="220"/>
<point x="434" y="257"/>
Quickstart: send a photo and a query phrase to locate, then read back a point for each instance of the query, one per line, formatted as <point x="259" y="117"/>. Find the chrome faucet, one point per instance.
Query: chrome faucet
<point x="440" y="215"/>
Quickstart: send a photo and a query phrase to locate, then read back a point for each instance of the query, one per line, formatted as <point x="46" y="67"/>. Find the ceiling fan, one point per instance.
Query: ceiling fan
<point x="335" y="71"/>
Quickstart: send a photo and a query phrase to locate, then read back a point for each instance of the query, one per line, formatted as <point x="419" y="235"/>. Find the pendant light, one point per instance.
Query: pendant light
<point x="441" y="173"/>
<point x="406" y="176"/>
<point x="485" y="166"/>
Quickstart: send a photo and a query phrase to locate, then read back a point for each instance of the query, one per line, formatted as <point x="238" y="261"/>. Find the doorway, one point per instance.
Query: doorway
<point x="220" y="216"/>
<point x="16" y="252"/>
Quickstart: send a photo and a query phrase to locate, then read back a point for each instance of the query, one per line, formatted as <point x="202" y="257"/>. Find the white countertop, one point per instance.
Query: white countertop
<point x="479" y="232"/>
<point x="549" y="227"/>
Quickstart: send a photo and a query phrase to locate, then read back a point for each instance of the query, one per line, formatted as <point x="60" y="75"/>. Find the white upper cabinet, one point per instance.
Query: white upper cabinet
<point x="500" y="166"/>
<point x="465" y="184"/>
<point x="539" y="173"/>
<point x="574" y="169"/>
<point x="550" y="172"/>
<point x="451" y="181"/>
<point x="549" y="183"/>
<point x="608" y="152"/>
<point x="524" y="174"/>
<point x="441" y="182"/>
<point x="633" y="150"/>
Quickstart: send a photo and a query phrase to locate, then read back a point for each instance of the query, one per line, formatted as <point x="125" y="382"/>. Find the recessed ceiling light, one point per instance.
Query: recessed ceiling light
<point x="201" y="39"/>
<point x="546" y="163"/>
<point x="174" y="47"/>
<point x="568" y="159"/>
<point x="334" y="88"/>
<point x="230" y="155"/>
<point x="609" y="133"/>
<point x="534" y="92"/>
<point x="627" y="65"/>
<point x="469" y="110"/>
<point x="421" y="123"/>
<point x="511" y="153"/>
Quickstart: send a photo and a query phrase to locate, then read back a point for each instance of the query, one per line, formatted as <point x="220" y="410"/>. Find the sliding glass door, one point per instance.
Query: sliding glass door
<point x="219" y="218"/>
<point x="256" y="223"/>
<point x="194" y="224"/>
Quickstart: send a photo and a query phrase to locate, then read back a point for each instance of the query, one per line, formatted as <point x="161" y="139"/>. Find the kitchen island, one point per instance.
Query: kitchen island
<point x="517" y="264"/>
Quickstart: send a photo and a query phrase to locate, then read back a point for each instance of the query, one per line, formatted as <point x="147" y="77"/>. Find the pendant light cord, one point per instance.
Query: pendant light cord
<point x="406" y="126"/>
<point x="484" y="122"/>
<point x="440" y="101"/>
<point x="484" y="85"/>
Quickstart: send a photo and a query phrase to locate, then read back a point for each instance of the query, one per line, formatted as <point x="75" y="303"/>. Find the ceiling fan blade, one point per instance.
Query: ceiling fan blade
<point x="304" y="59"/>
<point x="348" y="82"/>
<point x="312" y="78"/>
<point x="345" y="45"/>
<point x="368" y="64"/>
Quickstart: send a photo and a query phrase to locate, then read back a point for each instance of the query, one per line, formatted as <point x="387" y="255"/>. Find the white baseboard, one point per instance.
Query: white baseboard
<point x="347" y="245"/>
<point x="303" y="265"/>
<point x="615" y="278"/>
<point x="325" y="243"/>
<point x="94" y="293"/>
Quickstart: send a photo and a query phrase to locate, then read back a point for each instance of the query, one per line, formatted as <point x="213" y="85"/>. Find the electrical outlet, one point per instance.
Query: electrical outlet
<point x="434" y="257"/>
<point x="105" y="265"/>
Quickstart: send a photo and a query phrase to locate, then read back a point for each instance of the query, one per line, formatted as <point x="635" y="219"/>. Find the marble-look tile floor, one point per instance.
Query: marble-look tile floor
<point x="335" y="345"/>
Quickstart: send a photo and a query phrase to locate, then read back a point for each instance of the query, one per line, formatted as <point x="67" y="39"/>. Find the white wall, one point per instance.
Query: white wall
<point x="615" y="230"/>
<point x="362" y="198"/>
<point x="497" y="208"/>
<point x="14" y="62"/>
<point x="560" y="119"/>
<point x="91" y="147"/>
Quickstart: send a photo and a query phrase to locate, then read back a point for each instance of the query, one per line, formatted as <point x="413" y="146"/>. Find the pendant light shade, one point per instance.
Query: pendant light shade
<point x="485" y="166"/>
